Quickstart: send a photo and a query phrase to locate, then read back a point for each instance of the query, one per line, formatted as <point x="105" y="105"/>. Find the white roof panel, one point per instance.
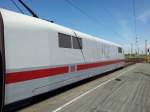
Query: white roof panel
<point x="54" y="26"/>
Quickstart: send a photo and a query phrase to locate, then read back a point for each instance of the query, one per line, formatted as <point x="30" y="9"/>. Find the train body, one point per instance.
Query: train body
<point x="37" y="56"/>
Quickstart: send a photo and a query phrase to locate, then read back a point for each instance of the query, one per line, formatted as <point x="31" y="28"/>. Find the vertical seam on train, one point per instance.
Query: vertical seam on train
<point x="3" y="61"/>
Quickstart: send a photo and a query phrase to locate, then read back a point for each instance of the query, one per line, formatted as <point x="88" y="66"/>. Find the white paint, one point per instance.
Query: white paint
<point x="91" y="90"/>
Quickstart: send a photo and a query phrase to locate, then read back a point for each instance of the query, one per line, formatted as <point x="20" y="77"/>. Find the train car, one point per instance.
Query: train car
<point x="37" y="56"/>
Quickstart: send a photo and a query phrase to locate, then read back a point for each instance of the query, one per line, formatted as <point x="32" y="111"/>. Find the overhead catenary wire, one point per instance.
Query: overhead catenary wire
<point x="92" y="18"/>
<point x="135" y="26"/>
<point x="27" y="7"/>
<point x="111" y="15"/>
<point x="15" y="4"/>
<point x="134" y="15"/>
<point x="112" y="18"/>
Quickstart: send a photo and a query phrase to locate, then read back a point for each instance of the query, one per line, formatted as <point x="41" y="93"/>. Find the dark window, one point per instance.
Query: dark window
<point x="77" y="43"/>
<point x="64" y="40"/>
<point x="119" y="50"/>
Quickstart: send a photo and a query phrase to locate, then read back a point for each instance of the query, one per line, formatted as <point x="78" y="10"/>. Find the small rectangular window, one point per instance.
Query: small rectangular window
<point x="119" y="50"/>
<point x="64" y="40"/>
<point x="77" y="42"/>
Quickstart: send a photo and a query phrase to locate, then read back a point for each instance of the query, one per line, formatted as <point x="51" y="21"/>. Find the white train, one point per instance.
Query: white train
<point x="37" y="56"/>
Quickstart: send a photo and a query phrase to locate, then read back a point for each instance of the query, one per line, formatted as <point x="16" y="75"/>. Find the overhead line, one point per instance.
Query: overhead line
<point x="134" y="15"/>
<point x="109" y="13"/>
<point x="17" y="6"/>
<point x="135" y="27"/>
<point x="91" y="17"/>
<point x="27" y="7"/>
<point x="83" y="12"/>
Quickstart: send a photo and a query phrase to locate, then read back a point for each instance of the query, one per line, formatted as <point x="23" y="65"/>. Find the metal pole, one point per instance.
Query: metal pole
<point x="131" y="48"/>
<point x="146" y="47"/>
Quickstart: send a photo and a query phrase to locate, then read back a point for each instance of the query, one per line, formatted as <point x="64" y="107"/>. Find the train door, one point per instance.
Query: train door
<point x="2" y="65"/>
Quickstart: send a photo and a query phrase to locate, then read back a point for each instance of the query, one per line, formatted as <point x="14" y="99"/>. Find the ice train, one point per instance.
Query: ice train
<point x="37" y="56"/>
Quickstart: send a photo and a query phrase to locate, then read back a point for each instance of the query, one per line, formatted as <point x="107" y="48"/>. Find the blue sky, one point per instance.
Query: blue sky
<point x="115" y="20"/>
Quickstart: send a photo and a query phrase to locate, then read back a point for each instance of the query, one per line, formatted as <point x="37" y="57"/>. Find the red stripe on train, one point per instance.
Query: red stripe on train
<point x="34" y="74"/>
<point x="97" y="64"/>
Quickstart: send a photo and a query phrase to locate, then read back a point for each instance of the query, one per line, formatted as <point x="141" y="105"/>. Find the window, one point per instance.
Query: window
<point x="67" y="41"/>
<point x="64" y="40"/>
<point x="77" y="42"/>
<point x="119" y="50"/>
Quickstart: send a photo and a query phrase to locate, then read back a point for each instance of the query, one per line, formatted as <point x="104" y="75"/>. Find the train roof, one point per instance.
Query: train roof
<point x="98" y="39"/>
<point x="56" y="27"/>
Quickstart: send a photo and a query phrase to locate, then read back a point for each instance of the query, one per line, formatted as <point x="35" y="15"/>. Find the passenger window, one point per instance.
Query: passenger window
<point x="64" y="40"/>
<point x="119" y="50"/>
<point x="77" y="42"/>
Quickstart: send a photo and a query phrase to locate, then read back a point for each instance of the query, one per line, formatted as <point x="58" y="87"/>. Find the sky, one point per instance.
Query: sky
<point x="112" y="20"/>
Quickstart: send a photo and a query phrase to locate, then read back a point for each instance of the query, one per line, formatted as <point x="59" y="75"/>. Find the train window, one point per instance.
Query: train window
<point x="64" y="40"/>
<point x="77" y="43"/>
<point x="119" y="50"/>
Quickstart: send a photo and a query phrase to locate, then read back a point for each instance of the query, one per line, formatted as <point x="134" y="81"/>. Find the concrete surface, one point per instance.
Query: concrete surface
<point x="126" y="90"/>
